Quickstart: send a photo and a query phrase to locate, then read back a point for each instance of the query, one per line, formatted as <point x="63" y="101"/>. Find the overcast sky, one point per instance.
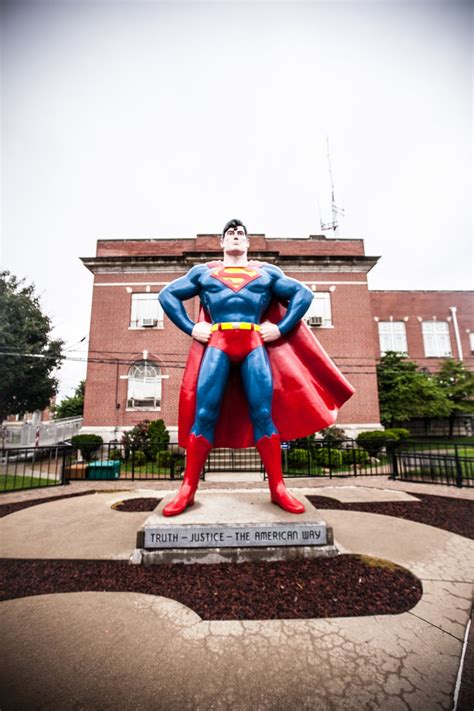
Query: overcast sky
<point x="150" y="119"/>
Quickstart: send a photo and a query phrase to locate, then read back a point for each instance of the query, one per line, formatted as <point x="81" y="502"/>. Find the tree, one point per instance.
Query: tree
<point x="405" y="392"/>
<point x="458" y="384"/>
<point x="28" y="354"/>
<point x="72" y="406"/>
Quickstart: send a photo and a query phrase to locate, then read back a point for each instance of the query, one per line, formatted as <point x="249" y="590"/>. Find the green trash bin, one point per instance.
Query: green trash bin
<point x="104" y="469"/>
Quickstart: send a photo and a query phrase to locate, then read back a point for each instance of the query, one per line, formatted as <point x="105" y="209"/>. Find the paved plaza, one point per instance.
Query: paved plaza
<point x="100" y="650"/>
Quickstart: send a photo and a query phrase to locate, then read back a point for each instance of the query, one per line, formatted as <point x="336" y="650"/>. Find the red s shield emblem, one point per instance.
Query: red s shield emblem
<point x="235" y="277"/>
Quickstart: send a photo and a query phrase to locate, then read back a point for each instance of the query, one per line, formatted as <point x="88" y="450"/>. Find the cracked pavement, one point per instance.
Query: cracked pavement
<point x="133" y="651"/>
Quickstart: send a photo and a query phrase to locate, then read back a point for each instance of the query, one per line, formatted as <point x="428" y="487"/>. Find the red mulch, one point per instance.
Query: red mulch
<point x="144" y="504"/>
<point x="454" y="515"/>
<point x="342" y="586"/>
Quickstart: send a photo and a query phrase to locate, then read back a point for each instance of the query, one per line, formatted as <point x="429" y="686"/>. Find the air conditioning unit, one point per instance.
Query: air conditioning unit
<point x="315" y="321"/>
<point x="148" y="322"/>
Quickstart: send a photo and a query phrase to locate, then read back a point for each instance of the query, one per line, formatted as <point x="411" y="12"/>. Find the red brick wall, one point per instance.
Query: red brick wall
<point x="416" y="305"/>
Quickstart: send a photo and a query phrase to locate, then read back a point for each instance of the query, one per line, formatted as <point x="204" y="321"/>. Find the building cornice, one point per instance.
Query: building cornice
<point x="173" y="263"/>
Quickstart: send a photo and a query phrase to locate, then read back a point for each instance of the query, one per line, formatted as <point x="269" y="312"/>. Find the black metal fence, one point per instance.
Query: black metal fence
<point x="33" y="467"/>
<point x="423" y="461"/>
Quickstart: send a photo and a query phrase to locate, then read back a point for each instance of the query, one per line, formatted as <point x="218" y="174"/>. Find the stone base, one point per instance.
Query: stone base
<point x="232" y="526"/>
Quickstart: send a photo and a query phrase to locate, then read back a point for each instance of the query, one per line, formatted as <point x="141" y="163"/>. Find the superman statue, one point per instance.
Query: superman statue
<point x="255" y="372"/>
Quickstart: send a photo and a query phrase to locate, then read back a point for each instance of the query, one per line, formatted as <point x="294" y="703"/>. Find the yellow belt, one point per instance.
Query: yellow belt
<point x="227" y="326"/>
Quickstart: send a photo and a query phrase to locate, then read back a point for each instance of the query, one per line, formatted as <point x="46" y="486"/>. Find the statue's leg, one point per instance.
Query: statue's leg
<point x="212" y="380"/>
<point x="257" y="379"/>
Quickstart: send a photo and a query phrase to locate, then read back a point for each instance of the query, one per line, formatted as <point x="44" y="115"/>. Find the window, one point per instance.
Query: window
<point x="436" y="339"/>
<point x="146" y="311"/>
<point x="319" y="312"/>
<point x="144" y="386"/>
<point x="471" y="342"/>
<point x="392" y="337"/>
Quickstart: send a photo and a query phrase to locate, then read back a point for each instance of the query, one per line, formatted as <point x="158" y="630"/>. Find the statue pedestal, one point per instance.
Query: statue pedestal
<point x="233" y="526"/>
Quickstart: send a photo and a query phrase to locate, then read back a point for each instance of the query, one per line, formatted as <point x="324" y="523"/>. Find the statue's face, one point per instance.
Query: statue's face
<point x="235" y="241"/>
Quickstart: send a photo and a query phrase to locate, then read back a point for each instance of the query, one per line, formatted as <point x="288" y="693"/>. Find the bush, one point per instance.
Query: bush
<point x="334" y="435"/>
<point x="159" y="437"/>
<point x="87" y="444"/>
<point x="359" y="456"/>
<point x="326" y="458"/>
<point x="375" y="440"/>
<point x="148" y="437"/>
<point x="115" y="455"/>
<point x="164" y="458"/>
<point x="298" y="458"/>
<point x="400" y="433"/>
<point x="139" y="458"/>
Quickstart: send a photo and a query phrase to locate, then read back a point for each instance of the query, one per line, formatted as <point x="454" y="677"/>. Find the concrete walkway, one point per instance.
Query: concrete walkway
<point x="131" y="651"/>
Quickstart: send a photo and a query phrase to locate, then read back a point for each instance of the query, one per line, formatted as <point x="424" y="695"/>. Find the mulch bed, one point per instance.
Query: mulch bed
<point x="134" y="505"/>
<point x="343" y="586"/>
<point x="454" y="515"/>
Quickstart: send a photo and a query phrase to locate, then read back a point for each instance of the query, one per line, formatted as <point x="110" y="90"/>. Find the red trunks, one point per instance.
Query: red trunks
<point x="236" y="343"/>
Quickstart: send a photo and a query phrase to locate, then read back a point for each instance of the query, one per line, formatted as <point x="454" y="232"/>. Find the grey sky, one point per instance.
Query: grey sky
<point x="149" y="119"/>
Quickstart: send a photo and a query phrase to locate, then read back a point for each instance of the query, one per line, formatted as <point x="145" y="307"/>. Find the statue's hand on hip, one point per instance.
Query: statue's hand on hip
<point x="269" y="331"/>
<point x="202" y="331"/>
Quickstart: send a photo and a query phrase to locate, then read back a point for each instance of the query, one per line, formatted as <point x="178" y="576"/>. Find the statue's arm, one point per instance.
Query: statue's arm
<point x="171" y="298"/>
<point x="298" y="295"/>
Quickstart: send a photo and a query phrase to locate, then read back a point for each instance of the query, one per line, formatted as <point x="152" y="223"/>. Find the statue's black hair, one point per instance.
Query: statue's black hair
<point x="234" y="224"/>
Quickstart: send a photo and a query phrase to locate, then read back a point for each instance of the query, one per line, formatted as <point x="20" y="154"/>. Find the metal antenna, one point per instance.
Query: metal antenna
<point x="336" y="210"/>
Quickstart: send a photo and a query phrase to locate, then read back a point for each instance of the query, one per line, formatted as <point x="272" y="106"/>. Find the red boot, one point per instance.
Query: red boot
<point x="270" y="452"/>
<point x="196" y="454"/>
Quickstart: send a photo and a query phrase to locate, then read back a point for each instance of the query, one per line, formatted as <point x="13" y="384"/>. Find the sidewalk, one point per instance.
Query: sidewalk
<point x="132" y="651"/>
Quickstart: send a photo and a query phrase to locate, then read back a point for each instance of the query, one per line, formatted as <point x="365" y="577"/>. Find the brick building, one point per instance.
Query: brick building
<point x="136" y="355"/>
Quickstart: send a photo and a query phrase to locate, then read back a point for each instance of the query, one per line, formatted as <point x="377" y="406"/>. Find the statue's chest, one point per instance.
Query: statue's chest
<point x="235" y="279"/>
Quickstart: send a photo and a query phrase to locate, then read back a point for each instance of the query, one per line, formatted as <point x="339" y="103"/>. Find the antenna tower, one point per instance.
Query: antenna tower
<point x="336" y="210"/>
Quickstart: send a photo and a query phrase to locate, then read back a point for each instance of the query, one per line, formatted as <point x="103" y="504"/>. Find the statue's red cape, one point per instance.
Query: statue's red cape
<point x="308" y="389"/>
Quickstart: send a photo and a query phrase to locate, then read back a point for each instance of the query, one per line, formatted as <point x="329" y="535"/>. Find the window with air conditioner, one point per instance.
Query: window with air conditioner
<point x="319" y="312"/>
<point x="392" y="337"/>
<point x="436" y="340"/>
<point x="144" y="386"/>
<point x="146" y="311"/>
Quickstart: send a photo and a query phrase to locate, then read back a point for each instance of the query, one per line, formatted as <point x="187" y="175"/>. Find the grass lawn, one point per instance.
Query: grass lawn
<point x="12" y="483"/>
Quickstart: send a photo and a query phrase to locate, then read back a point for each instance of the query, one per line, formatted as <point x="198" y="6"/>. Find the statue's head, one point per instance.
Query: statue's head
<point x="234" y="238"/>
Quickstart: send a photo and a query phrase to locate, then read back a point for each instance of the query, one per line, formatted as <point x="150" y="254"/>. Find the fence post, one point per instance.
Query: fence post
<point x="394" y="463"/>
<point x="64" y="480"/>
<point x="354" y="458"/>
<point x="458" y="467"/>
<point x="133" y="463"/>
<point x="329" y="458"/>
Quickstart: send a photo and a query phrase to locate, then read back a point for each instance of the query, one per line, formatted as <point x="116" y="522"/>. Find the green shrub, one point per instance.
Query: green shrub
<point x="359" y="456"/>
<point x="334" y="435"/>
<point x="375" y="440"/>
<point x="328" y="458"/>
<point x="298" y="458"/>
<point x="115" y="454"/>
<point x="400" y="433"/>
<point x="87" y="444"/>
<point x="164" y="458"/>
<point x="159" y="437"/>
<point x="139" y="458"/>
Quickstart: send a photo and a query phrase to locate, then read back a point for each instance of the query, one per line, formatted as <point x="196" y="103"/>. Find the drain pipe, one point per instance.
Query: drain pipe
<point x="453" y="310"/>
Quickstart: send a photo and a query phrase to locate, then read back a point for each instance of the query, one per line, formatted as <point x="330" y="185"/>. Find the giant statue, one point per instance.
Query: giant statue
<point x="255" y="373"/>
